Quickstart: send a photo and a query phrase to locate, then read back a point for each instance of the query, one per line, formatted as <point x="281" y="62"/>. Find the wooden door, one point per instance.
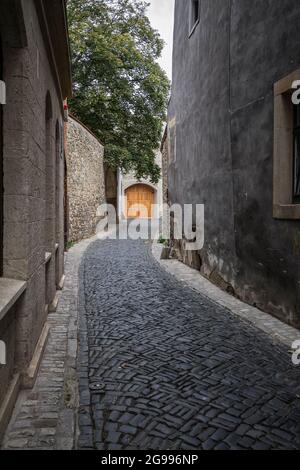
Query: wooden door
<point x="140" y="199"/>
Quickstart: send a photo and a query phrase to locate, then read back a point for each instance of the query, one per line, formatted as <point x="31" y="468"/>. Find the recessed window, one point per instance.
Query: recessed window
<point x="194" y="14"/>
<point x="286" y="185"/>
<point x="296" y="154"/>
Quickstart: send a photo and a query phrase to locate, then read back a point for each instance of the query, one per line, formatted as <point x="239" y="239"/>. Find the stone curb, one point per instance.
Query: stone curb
<point x="67" y="430"/>
<point x="278" y="330"/>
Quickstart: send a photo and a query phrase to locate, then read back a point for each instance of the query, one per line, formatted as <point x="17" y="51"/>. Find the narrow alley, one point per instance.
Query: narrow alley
<point x="157" y="365"/>
<point x="167" y="369"/>
<point x="149" y="228"/>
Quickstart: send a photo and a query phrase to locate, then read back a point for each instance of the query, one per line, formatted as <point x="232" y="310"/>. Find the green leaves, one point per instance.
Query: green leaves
<point x="120" y="91"/>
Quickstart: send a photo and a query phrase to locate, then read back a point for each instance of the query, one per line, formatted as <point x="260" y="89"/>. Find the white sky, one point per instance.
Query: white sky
<point x="161" y="15"/>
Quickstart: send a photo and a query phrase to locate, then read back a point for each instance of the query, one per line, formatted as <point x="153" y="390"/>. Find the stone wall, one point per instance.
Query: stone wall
<point x="221" y="130"/>
<point x="85" y="181"/>
<point x="33" y="176"/>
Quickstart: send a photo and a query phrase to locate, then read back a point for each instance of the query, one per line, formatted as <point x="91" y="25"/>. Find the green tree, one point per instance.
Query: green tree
<point x="120" y="91"/>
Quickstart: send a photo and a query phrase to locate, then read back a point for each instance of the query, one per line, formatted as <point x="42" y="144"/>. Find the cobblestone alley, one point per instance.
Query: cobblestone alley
<point x="163" y="368"/>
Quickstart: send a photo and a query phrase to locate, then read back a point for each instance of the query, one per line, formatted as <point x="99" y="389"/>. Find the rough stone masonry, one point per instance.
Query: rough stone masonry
<point x="85" y="182"/>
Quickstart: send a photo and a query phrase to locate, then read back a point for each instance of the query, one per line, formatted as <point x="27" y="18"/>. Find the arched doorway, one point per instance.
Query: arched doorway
<point x="139" y="201"/>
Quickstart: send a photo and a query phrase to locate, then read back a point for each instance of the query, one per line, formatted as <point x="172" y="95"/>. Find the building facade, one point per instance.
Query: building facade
<point x="35" y="80"/>
<point x="233" y="141"/>
<point x="85" y="180"/>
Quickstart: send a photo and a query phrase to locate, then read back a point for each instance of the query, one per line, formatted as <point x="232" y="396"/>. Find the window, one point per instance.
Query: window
<point x="296" y="155"/>
<point x="286" y="179"/>
<point x="194" y="14"/>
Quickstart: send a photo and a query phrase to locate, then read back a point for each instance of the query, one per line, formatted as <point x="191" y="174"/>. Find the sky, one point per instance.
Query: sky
<point x="161" y="15"/>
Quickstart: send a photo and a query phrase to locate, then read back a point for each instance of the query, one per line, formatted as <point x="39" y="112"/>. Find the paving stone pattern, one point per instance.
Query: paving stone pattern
<point x="161" y="367"/>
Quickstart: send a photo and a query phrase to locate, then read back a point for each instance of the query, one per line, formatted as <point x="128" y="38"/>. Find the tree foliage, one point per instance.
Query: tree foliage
<point x="120" y="91"/>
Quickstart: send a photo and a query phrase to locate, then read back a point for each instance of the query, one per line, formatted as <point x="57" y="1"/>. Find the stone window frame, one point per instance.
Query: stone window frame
<point x="283" y="205"/>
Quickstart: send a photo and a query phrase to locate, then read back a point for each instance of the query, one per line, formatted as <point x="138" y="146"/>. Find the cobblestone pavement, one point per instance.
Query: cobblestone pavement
<point x="162" y="367"/>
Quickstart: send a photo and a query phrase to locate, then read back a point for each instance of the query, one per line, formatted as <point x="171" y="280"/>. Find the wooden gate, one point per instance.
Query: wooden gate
<point x="140" y="199"/>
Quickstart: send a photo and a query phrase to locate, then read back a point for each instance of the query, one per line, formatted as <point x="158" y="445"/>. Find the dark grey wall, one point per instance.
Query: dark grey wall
<point x="222" y="103"/>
